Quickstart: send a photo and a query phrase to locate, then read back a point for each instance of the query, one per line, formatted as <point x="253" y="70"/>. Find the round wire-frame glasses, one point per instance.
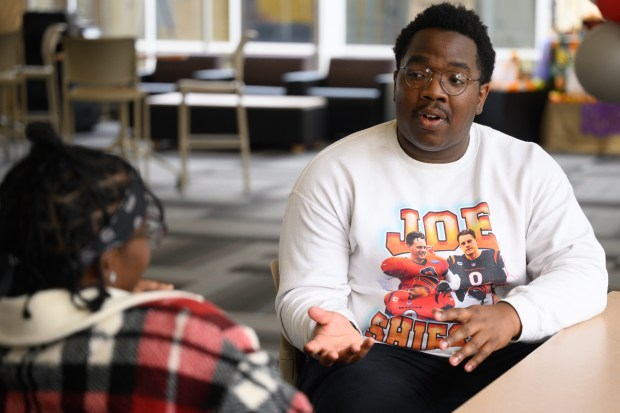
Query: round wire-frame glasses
<point x="453" y="83"/>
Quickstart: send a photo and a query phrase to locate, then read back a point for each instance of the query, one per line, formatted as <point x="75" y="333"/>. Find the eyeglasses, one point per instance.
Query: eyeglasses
<point x="452" y="82"/>
<point x="154" y="223"/>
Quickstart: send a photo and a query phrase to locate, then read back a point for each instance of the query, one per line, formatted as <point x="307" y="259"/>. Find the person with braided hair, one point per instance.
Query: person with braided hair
<point x="78" y="331"/>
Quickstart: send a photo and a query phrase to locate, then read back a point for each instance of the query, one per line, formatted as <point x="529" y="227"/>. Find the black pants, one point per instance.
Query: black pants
<point x="392" y="379"/>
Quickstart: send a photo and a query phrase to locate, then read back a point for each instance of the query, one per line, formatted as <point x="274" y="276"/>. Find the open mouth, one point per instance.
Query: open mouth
<point x="431" y="117"/>
<point x="429" y="121"/>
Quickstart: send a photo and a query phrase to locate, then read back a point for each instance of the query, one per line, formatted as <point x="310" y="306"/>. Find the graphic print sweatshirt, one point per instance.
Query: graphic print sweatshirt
<point x="343" y="240"/>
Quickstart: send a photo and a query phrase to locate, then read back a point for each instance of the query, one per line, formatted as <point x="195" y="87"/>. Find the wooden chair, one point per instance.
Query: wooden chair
<point x="240" y="140"/>
<point x="290" y="358"/>
<point x="12" y="88"/>
<point x="47" y="72"/>
<point x="103" y="70"/>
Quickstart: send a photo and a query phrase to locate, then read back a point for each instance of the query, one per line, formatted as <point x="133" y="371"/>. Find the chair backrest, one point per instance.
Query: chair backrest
<point x="269" y="70"/>
<point x="11" y="50"/>
<point x="100" y="62"/>
<point x="49" y="43"/>
<point x="237" y="56"/>
<point x="275" y="273"/>
<point x="357" y="72"/>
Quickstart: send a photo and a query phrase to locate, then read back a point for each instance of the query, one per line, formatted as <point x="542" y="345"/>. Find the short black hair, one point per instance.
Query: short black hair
<point x="464" y="232"/>
<point x="412" y="236"/>
<point x="448" y="17"/>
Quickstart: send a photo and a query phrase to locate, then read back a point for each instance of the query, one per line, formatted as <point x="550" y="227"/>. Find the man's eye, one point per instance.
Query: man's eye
<point x="415" y="74"/>
<point x="456" y="78"/>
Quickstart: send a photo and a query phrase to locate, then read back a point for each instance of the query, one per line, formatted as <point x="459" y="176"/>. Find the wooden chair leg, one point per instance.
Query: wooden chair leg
<point x="244" y="142"/>
<point x="183" y="141"/>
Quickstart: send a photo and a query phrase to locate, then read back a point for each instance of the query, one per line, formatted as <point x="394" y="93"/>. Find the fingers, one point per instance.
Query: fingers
<point x="356" y="351"/>
<point x="350" y="354"/>
<point x="326" y="357"/>
<point x="312" y="348"/>
<point x="457" y="335"/>
<point x="483" y="330"/>
<point x="453" y="314"/>
<point x="365" y="348"/>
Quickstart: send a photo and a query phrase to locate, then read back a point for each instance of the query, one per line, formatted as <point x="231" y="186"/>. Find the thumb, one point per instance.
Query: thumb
<point x="319" y="315"/>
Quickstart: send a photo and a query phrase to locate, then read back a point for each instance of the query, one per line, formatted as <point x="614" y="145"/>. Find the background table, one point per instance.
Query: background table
<point x="577" y="370"/>
<point x="275" y="122"/>
<point x="562" y="131"/>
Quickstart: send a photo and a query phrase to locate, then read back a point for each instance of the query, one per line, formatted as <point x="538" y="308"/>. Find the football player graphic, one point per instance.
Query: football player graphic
<point x="422" y="277"/>
<point x="475" y="267"/>
<point x="421" y="273"/>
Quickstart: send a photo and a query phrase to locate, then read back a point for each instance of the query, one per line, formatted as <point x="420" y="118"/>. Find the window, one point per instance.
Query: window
<point x="325" y="27"/>
<point x="512" y="24"/>
<point x="179" y="20"/>
<point x="281" y="21"/>
<point x="374" y="22"/>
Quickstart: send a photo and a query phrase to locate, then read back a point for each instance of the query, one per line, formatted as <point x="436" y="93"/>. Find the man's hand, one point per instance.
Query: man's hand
<point x="490" y="327"/>
<point x="335" y="339"/>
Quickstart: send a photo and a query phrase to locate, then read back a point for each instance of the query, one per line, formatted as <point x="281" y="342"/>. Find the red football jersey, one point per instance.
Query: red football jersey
<point x="413" y="275"/>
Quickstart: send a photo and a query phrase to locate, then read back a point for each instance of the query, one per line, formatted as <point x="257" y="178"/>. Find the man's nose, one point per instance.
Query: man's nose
<point x="433" y="89"/>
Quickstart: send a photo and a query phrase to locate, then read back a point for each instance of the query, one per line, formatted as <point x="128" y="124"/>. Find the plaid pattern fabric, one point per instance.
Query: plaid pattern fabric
<point x="172" y="355"/>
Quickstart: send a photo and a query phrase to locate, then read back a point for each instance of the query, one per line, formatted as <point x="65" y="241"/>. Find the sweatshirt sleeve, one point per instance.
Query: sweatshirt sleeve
<point x="566" y="270"/>
<point x="314" y="262"/>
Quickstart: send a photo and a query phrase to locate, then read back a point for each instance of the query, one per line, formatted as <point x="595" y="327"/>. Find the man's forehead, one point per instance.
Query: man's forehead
<point x="460" y="51"/>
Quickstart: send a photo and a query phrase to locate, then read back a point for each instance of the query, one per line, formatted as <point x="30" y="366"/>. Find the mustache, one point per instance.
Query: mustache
<point x="432" y="106"/>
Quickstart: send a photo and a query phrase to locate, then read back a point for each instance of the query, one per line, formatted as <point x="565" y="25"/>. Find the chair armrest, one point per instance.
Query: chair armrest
<point x="298" y="83"/>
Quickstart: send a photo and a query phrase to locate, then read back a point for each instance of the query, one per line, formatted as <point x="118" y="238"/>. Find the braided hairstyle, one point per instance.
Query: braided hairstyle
<point x="53" y="203"/>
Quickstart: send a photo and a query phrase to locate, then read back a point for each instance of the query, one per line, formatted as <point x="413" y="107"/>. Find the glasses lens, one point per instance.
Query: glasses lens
<point x="417" y="76"/>
<point x="454" y="83"/>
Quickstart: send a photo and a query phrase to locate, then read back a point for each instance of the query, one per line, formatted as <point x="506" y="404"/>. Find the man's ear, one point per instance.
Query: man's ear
<point x="483" y="92"/>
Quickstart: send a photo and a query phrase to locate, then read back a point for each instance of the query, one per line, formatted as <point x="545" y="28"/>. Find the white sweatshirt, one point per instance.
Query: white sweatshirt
<point x="354" y="204"/>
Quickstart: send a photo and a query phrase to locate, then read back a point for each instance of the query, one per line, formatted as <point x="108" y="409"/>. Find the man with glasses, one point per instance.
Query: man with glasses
<point x="434" y="171"/>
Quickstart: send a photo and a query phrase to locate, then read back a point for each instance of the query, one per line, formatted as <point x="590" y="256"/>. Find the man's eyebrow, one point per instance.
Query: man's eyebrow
<point x="461" y="65"/>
